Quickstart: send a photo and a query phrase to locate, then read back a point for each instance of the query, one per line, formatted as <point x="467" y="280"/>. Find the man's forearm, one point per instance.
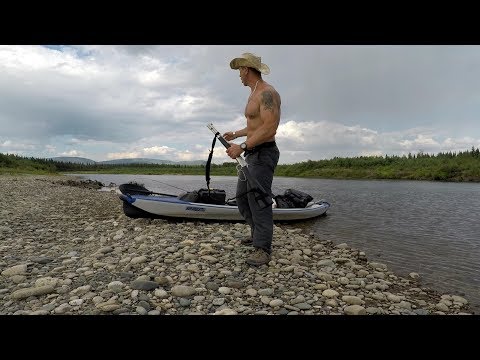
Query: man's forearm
<point x="241" y="133"/>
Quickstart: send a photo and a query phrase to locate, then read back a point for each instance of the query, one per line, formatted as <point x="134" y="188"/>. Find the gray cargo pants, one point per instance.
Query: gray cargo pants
<point x="261" y="165"/>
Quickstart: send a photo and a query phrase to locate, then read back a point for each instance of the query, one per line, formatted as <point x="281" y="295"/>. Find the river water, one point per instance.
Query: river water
<point x="430" y="228"/>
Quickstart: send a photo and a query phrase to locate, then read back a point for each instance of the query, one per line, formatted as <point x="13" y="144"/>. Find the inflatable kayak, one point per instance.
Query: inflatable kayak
<point x="142" y="203"/>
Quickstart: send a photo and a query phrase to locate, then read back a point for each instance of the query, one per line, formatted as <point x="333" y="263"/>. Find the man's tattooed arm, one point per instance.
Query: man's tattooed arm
<point x="267" y="100"/>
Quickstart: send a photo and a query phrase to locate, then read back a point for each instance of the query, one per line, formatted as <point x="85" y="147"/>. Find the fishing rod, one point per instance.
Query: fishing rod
<point x="166" y="184"/>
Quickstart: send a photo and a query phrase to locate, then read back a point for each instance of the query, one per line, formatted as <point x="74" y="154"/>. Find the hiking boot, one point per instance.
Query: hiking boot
<point x="258" y="257"/>
<point x="247" y="241"/>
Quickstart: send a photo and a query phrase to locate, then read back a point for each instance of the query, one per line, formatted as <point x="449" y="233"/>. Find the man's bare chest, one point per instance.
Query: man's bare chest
<point x="252" y="110"/>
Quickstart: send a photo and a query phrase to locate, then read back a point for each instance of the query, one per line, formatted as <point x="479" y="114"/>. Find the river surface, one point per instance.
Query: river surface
<point x="431" y="228"/>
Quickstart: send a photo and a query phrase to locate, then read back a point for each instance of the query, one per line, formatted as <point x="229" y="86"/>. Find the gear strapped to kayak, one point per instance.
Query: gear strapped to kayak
<point x="206" y="196"/>
<point x="292" y="199"/>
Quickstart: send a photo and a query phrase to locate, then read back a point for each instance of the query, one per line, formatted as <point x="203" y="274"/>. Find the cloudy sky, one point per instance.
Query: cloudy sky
<point x="107" y="102"/>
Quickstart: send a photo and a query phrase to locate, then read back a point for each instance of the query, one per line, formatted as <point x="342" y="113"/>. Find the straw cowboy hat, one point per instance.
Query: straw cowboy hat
<point x="250" y="60"/>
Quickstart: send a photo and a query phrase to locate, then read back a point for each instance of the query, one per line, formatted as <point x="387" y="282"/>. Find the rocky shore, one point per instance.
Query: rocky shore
<point x="67" y="248"/>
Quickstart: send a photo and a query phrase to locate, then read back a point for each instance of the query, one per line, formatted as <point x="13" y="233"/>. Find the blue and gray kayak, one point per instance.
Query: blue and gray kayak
<point x="143" y="203"/>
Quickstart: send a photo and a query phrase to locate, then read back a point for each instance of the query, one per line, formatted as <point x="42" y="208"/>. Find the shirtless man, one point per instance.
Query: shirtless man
<point x="260" y="150"/>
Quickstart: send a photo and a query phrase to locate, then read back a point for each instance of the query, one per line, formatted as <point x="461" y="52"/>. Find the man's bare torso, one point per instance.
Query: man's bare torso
<point x="264" y="96"/>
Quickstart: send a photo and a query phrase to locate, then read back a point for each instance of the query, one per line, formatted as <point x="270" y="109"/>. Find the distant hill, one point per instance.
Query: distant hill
<point x="80" y="160"/>
<point x="72" y="159"/>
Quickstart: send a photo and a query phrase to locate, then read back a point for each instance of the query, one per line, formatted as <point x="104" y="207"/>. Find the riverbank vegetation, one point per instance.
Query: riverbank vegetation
<point x="449" y="166"/>
<point x="13" y="164"/>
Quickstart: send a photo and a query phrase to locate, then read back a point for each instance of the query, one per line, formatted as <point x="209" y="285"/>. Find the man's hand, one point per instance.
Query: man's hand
<point x="229" y="135"/>
<point x="234" y="150"/>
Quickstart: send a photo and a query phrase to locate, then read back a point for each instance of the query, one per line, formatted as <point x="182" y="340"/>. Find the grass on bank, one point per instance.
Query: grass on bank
<point x="455" y="167"/>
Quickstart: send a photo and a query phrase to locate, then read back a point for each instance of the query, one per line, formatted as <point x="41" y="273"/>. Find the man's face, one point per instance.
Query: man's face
<point x="243" y="73"/>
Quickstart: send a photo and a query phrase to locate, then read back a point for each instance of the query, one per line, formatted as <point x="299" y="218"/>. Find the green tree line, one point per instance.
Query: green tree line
<point x="444" y="166"/>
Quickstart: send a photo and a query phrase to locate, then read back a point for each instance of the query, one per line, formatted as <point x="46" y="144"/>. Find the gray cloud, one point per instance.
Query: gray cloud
<point x="155" y="101"/>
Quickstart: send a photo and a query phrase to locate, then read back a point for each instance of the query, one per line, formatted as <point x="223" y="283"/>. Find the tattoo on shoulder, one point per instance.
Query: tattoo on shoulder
<point x="267" y="100"/>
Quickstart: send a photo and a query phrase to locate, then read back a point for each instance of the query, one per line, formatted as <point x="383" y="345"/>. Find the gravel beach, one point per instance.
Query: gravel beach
<point x="67" y="248"/>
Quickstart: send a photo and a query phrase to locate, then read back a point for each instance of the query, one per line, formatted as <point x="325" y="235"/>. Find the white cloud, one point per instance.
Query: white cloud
<point x="157" y="150"/>
<point x="464" y="143"/>
<point x="294" y="131"/>
<point x="371" y="153"/>
<point x="324" y="133"/>
<point x="186" y="156"/>
<point x="420" y="142"/>
<point x="32" y="59"/>
<point x="11" y="146"/>
<point x="124" y="155"/>
<point x="72" y="153"/>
